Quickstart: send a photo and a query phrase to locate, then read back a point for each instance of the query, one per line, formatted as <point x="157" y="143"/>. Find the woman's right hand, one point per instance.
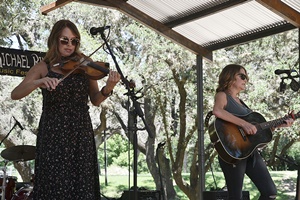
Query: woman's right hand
<point x="46" y="82"/>
<point x="249" y="128"/>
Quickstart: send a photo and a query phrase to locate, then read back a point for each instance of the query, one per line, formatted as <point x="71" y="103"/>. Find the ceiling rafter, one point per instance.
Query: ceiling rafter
<point x="204" y="13"/>
<point x="54" y="5"/>
<point x="283" y="10"/>
<point x="250" y="37"/>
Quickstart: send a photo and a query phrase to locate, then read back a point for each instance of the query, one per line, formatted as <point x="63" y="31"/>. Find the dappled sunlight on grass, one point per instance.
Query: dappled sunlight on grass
<point x="116" y="184"/>
<point x="285" y="182"/>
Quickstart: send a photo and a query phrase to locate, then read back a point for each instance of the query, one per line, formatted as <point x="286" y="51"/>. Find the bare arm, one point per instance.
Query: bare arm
<point x="34" y="79"/>
<point x="220" y="112"/>
<point x="96" y="95"/>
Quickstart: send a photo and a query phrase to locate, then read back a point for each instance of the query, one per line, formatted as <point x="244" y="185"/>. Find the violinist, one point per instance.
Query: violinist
<point x="66" y="158"/>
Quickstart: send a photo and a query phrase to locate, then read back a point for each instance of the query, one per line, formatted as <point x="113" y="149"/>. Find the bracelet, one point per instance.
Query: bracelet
<point x="106" y="95"/>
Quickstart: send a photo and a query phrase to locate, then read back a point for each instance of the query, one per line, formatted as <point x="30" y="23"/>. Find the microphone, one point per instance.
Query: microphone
<point x="18" y="123"/>
<point x="295" y="86"/>
<point x="283" y="71"/>
<point x="95" y="30"/>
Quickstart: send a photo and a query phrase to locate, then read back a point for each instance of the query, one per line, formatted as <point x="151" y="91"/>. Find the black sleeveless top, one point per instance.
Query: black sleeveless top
<point x="236" y="108"/>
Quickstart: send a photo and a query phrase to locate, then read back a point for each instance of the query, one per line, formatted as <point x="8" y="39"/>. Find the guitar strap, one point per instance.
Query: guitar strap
<point x="208" y="116"/>
<point x="244" y="104"/>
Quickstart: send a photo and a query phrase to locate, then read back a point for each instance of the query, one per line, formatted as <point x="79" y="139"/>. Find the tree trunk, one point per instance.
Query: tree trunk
<point x="158" y="164"/>
<point x="165" y="175"/>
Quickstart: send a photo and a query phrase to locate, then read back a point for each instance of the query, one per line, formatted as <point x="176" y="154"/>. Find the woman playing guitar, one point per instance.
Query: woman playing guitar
<point x="228" y="107"/>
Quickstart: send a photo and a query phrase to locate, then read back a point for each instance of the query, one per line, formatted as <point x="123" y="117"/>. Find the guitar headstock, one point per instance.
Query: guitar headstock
<point x="294" y="116"/>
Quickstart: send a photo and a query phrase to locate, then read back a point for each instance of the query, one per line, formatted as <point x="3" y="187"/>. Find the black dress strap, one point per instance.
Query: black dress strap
<point x="48" y="66"/>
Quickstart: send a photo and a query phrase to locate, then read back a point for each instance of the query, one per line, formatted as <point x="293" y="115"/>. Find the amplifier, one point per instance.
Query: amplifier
<point x="222" y="195"/>
<point x="141" y="195"/>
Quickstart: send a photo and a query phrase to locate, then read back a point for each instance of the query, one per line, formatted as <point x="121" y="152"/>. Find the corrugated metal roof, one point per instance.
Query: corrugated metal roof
<point x="170" y="10"/>
<point x="228" y="23"/>
<point x="203" y="26"/>
<point x="242" y="19"/>
<point x="295" y="4"/>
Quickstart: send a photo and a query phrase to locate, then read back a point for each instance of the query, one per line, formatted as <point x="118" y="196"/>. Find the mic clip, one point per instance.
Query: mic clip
<point x="95" y="31"/>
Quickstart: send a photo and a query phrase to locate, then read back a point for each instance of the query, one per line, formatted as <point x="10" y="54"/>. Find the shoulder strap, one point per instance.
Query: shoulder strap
<point x="244" y="104"/>
<point x="48" y="66"/>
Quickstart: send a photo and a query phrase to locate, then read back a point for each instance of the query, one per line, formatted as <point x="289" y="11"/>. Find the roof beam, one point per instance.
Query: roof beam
<point x="204" y="13"/>
<point x="60" y="3"/>
<point x="54" y="5"/>
<point x="251" y="37"/>
<point x="282" y="9"/>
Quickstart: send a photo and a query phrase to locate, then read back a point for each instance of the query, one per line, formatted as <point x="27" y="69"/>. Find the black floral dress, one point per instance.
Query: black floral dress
<point x="66" y="166"/>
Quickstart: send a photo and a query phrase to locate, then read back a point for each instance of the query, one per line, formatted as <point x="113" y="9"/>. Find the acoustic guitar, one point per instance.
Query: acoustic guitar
<point x="233" y="144"/>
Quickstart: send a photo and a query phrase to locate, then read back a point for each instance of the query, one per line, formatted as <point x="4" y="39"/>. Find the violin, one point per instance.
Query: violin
<point x="80" y="64"/>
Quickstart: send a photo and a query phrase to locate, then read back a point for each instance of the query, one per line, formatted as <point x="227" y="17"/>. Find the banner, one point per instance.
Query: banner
<point x="16" y="62"/>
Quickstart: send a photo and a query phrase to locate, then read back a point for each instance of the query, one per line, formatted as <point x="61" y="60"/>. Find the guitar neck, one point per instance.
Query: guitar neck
<point x="277" y="122"/>
<point x="273" y="123"/>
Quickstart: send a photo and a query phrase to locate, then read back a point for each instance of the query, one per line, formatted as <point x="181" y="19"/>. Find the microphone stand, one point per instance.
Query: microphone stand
<point x="8" y="133"/>
<point x="4" y="169"/>
<point x="160" y="146"/>
<point x="137" y="111"/>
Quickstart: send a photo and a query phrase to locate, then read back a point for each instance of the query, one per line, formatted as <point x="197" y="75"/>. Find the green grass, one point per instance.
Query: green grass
<point x="284" y="180"/>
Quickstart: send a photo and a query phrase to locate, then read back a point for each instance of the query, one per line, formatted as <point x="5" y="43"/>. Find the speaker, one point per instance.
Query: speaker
<point x="141" y="195"/>
<point x="222" y="195"/>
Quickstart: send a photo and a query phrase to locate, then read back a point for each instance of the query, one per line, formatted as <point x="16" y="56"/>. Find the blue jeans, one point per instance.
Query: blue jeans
<point x="255" y="168"/>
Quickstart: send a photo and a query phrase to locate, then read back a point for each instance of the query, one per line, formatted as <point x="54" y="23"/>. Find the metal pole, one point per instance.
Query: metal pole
<point x="200" y="125"/>
<point x="105" y="158"/>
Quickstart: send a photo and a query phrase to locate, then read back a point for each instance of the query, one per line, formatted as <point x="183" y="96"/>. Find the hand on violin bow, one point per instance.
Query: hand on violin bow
<point x="47" y="82"/>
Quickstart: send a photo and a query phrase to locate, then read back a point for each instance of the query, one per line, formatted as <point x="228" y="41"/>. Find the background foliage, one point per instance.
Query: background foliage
<point x="165" y="75"/>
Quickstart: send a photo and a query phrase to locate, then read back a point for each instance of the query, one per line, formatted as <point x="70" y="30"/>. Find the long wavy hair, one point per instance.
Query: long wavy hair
<point x="53" y="54"/>
<point x="227" y="76"/>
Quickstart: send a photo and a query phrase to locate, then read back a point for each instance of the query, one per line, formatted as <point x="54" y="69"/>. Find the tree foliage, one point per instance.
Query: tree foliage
<point x="165" y="86"/>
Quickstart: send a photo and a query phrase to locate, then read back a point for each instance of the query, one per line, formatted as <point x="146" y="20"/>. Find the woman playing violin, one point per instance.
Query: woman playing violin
<point x="66" y="158"/>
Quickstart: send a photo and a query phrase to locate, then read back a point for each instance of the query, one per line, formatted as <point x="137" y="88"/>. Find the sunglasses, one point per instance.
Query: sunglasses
<point x="65" y="41"/>
<point x="243" y="76"/>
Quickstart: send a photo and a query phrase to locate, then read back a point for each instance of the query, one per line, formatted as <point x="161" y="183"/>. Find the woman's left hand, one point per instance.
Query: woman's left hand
<point x="288" y="122"/>
<point x="113" y="78"/>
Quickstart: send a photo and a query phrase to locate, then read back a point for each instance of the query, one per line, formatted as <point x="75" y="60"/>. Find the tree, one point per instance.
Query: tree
<point x="165" y="77"/>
